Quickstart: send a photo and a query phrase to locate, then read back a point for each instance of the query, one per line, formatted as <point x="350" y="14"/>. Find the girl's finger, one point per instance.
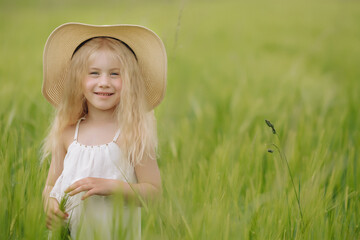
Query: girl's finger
<point x="60" y="214"/>
<point x="48" y="226"/>
<point x="54" y="222"/>
<point x="73" y="186"/>
<point x="77" y="184"/>
<point x="88" y="194"/>
<point x="51" y="223"/>
<point x="80" y="189"/>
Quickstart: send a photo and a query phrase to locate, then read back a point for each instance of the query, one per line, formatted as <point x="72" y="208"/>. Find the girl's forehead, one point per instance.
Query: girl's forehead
<point x="103" y="54"/>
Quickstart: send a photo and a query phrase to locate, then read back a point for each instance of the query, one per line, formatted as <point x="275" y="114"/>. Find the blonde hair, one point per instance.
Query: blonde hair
<point x="138" y="125"/>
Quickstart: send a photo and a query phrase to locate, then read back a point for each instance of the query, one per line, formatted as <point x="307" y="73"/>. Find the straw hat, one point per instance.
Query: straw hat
<point x="147" y="46"/>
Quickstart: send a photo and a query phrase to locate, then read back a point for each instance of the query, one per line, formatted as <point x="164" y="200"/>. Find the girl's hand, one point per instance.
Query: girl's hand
<point x="93" y="186"/>
<point x="54" y="216"/>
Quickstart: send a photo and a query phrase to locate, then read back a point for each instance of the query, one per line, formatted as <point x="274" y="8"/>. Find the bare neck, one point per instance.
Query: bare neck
<point x="99" y="116"/>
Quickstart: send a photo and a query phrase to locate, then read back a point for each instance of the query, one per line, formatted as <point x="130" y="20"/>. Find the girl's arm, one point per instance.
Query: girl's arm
<point x="54" y="215"/>
<point x="57" y="162"/>
<point x="55" y="170"/>
<point x="149" y="181"/>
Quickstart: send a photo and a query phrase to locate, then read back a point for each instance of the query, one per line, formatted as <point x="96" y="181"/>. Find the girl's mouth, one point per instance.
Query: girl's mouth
<point x="103" y="93"/>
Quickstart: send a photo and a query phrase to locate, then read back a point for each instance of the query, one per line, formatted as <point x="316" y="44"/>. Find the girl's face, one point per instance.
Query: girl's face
<point x="102" y="82"/>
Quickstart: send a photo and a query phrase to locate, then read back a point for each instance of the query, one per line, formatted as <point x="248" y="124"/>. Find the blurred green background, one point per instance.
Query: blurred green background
<point x="231" y="65"/>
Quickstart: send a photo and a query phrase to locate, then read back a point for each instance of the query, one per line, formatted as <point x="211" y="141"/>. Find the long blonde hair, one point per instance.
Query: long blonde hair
<point x="138" y="125"/>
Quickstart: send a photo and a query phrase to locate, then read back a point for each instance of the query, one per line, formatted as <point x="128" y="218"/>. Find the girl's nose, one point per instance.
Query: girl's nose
<point x="104" y="80"/>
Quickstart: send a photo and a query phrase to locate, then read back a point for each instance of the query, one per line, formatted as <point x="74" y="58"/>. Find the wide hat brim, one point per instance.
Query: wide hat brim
<point x="147" y="46"/>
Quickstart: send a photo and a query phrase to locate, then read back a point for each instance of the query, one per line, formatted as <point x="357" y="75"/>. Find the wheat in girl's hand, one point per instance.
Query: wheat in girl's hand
<point x="64" y="231"/>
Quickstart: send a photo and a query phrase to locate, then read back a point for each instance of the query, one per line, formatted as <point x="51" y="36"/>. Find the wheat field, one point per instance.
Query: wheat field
<point x="231" y="65"/>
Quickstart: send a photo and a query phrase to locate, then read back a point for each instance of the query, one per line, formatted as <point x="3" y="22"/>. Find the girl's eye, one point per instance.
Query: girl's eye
<point x="114" y="74"/>
<point x="94" y="73"/>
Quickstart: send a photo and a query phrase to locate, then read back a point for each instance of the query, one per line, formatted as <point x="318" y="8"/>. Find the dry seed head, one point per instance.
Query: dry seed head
<point x="271" y="126"/>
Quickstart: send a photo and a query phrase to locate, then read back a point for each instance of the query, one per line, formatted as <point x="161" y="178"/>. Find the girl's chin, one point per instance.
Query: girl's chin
<point x="102" y="107"/>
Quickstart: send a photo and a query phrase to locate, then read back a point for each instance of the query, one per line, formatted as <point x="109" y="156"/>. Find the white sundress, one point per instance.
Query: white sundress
<point x="95" y="218"/>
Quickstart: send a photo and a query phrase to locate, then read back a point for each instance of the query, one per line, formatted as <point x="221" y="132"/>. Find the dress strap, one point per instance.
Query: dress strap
<point x="116" y="135"/>
<point x="77" y="128"/>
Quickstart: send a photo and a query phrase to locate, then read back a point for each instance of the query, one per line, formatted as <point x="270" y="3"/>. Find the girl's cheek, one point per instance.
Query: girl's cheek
<point x="119" y="85"/>
<point x="85" y="83"/>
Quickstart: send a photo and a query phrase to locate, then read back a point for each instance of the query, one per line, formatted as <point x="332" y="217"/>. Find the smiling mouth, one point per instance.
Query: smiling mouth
<point x="103" y="94"/>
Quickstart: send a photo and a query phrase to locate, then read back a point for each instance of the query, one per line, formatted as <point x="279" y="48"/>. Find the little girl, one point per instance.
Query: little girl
<point x="104" y="82"/>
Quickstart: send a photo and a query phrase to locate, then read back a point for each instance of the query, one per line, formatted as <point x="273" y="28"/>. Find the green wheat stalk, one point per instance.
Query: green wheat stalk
<point x="283" y="157"/>
<point x="64" y="231"/>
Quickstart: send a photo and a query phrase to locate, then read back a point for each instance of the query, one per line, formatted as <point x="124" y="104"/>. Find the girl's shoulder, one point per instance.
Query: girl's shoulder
<point x="67" y="135"/>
